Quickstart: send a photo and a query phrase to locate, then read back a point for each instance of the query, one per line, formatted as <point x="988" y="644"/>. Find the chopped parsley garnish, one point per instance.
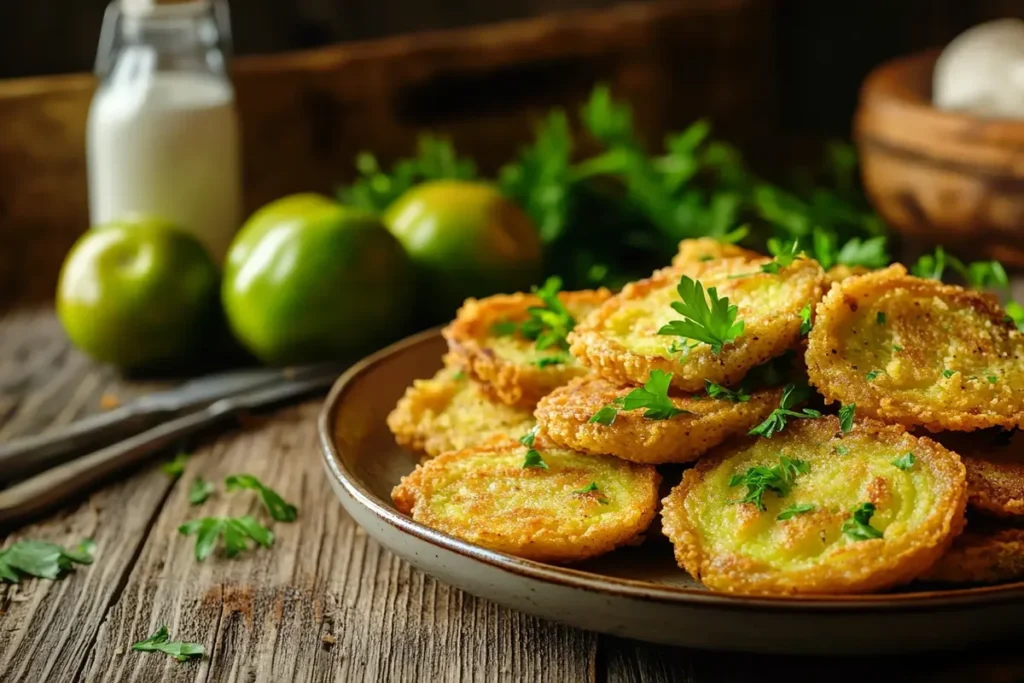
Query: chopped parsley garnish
<point x="792" y="396"/>
<point x="652" y="396"/>
<point x="236" y="531"/>
<point x="880" y="318"/>
<point x="805" y="319"/>
<point x="842" y="450"/>
<point x="794" y="510"/>
<point x="858" y="526"/>
<point x="533" y="459"/>
<point x="713" y="324"/>
<point x="947" y="373"/>
<point x="558" y="359"/>
<point x="784" y="251"/>
<point x="200" y="491"/>
<point x="275" y="504"/>
<point x="761" y="478"/>
<point x="897" y="348"/>
<point x="591" y="488"/>
<point x="459" y="376"/>
<point x="527" y="438"/>
<point x="42" y="559"/>
<point x="992" y="379"/>
<point x="550" y="324"/>
<point x="737" y="395"/>
<point x="504" y="328"/>
<point x="846" y="414"/>
<point x="905" y="461"/>
<point x="161" y="642"/>
<point x="176" y="467"/>
<point x="872" y="375"/>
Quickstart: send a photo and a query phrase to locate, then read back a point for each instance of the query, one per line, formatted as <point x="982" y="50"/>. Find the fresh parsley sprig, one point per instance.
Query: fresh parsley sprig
<point x="737" y="395"/>
<point x="792" y="396"/>
<point x="977" y="274"/>
<point x="761" y="479"/>
<point x="236" y="531"/>
<point x="200" y="491"/>
<point x="176" y="467"/>
<point x="532" y="459"/>
<point x="547" y="325"/>
<point x="858" y="526"/>
<point x="42" y="559"/>
<point x="161" y="642"/>
<point x="794" y="510"/>
<point x="714" y="324"/>
<point x="278" y="508"/>
<point x="846" y="415"/>
<point x="652" y="397"/>
<point x="905" y="461"/>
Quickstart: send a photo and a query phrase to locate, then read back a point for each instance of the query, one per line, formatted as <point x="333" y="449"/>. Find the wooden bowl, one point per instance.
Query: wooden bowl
<point x="940" y="177"/>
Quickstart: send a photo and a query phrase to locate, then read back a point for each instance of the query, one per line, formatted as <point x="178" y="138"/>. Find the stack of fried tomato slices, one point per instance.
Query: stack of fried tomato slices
<point x="835" y="427"/>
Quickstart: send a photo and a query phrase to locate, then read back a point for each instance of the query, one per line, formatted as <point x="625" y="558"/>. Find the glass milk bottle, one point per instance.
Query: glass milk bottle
<point x="162" y="133"/>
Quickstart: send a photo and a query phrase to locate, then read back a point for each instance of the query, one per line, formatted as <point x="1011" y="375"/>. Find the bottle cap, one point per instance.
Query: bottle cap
<point x="149" y="7"/>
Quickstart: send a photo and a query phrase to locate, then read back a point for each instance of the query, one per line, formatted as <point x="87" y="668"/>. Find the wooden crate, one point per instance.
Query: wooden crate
<point x="305" y="115"/>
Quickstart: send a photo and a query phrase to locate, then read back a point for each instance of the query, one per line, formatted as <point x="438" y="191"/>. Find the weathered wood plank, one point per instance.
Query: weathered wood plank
<point x="325" y="603"/>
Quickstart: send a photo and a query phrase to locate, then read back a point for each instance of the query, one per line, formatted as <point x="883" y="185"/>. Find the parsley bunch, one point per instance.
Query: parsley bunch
<point x="792" y="396"/>
<point x="42" y="560"/>
<point x="761" y="479"/>
<point x="652" y="397"/>
<point x="714" y="324"/>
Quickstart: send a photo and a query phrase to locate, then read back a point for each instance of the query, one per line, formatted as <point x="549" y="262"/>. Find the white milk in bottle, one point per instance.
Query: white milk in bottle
<point x="162" y="132"/>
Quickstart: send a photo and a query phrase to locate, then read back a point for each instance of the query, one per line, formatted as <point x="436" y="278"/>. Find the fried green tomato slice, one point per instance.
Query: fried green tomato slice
<point x="564" y="415"/>
<point x="918" y="353"/>
<point x="984" y="555"/>
<point x="578" y="506"/>
<point x="995" y="470"/>
<point x="450" y="412"/>
<point x="707" y="249"/>
<point x="815" y="531"/>
<point x="481" y="341"/>
<point x="620" y="341"/>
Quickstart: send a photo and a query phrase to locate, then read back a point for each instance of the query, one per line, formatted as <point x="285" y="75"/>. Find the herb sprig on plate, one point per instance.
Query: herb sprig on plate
<point x="652" y="397"/>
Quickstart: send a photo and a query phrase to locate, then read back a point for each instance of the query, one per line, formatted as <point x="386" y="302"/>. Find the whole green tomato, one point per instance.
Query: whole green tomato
<point x="307" y="279"/>
<point x="465" y="239"/>
<point x="140" y="294"/>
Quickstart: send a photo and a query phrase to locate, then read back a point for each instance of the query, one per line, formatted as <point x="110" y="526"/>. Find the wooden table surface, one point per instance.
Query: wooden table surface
<point x="326" y="603"/>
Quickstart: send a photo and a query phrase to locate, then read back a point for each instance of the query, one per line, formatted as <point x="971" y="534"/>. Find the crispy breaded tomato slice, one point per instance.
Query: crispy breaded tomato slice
<point x="839" y="513"/>
<point x="840" y="272"/>
<point x="515" y="370"/>
<point x="995" y="471"/>
<point x="706" y="249"/>
<point x="579" y="506"/>
<point x="620" y="340"/>
<point x="564" y="415"/>
<point x="983" y="555"/>
<point x="449" y="412"/>
<point x="918" y="352"/>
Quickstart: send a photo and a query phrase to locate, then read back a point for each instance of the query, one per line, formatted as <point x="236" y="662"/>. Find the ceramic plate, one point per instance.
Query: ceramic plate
<point x="633" y="592"/>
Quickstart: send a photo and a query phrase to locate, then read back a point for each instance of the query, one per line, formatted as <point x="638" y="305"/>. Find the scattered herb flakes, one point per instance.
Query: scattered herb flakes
<point x="176" y="467"/>
<point x="792" y="396"/>
<point x="504" y="328"/>
<point x="897" y="348"/>
<point x="528" y="438"/>
<point x="805" y="319"/>
<point x="714" y="324"/>
<point x="161" y="642"/>
<point x="587" y="489"/>
<point x="558" y="359"/>
<point x="880" y="318"/>
<point x="992" y="379"/>
<point x="947" y="373"/>
<point x="842" y="450"/>
<point x="718" y="391"/>
<point x="846" y="414"/>
<point x="760" y="479"/>
<point x="872" y="375"/>
<point x="858" y="526"/>
<point x="794" y="510"/>
<point x="200" y="491"/>
<point x="275" y="504"/>
<point x="42" y="559"/>
<point x="905" y="461"/>
<point x="606" y="415"/>
<point x="533" y="460"/>
<point x="236" y="531"/>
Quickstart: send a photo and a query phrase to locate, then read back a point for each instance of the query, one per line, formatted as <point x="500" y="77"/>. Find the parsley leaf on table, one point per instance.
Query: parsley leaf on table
<point x="652" y="396"/>
<point x="792" y="396"/>
<point x="200" y="491"/>
<point x="161" y="642"/>
<point x="761" y="478"/>
<point x="713" y="324"/>
<point x="738" y="395"/>
<point x="42" y="559"/>
<point x="236" y="532"/>
<point x="858" y="526"/>
<point x="176" y="467"/>
<point x="275" y="504"/>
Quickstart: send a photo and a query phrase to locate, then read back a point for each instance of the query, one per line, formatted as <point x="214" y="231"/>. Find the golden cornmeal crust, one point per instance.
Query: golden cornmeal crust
<point x="984" y="555"/>
<point x="705" y="249"/>
<point x="450" y="412"/>
<point x="995" y="471"/>
<point x="564" y="415"/>
<point x="940" y="357"/>
<point x="520" y="384"/>
<point x="768" y="332"/>
<point x="841" y="272"/>
<point x="852" y="567"/>
<point x="485" y="496"/>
